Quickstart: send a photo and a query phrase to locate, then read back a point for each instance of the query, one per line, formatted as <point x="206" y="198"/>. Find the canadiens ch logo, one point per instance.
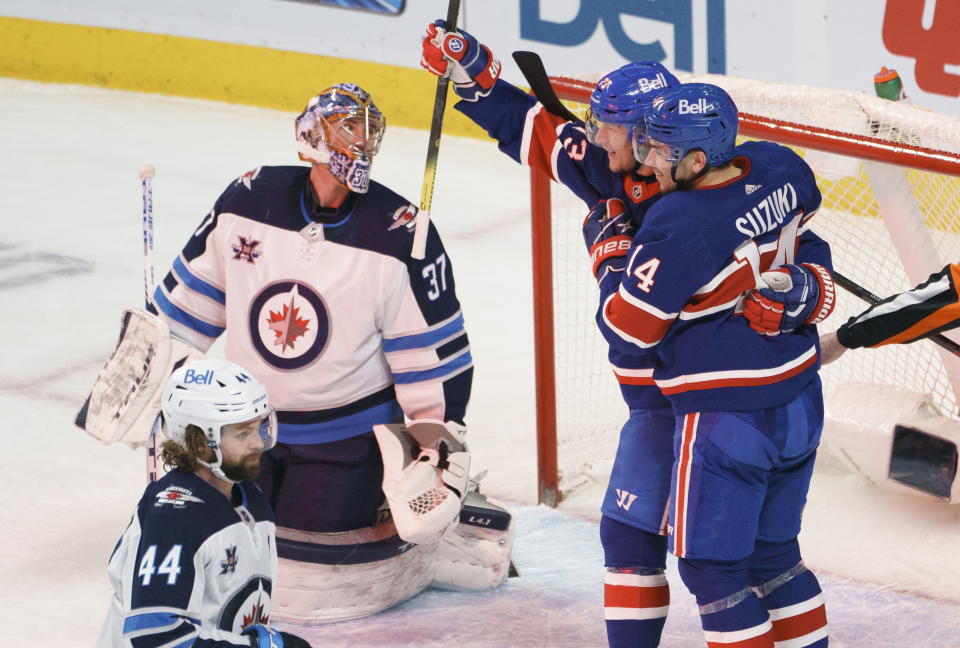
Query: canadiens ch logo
<point x="229" y="564"/>
<point x="404" y="217"/>
<point x="176" y="497"/>
<point x="289" y="325"/>
<point x="247" y="178"/>
<point x="246" y="250"/>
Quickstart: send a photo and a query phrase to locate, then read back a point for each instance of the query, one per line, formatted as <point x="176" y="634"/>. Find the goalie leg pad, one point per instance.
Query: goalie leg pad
<point x="341" y="576"/>
<point x="425" y="468"/>
<point x="124" y="401"/>
<point x="475" y="555"/>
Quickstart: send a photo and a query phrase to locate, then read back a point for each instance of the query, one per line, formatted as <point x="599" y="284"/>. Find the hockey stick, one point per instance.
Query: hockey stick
<point x="872" y="299"/>
<point x="536" y="75"/>
<point x="433" y="150"/>
<point x="147" y="171"/>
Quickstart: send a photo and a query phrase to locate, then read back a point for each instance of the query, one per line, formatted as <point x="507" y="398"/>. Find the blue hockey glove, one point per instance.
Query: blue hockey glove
<point x="263" y="637"/>
<point x="608" y="232"/>
<point x="797" y="295"/>
<point x="471" y="65"/>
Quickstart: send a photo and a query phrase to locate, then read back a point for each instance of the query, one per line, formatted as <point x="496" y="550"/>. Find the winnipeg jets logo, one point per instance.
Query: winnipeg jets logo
<point x="176" y="497"/>
<point x="289" y="324"/>
<point x="625" y="499"/>
<point x="246" y="250"/>
<point x="247" y="178"/>
<point x="404" y="217"/>
<point x="256" y="616"/>
<point x="229" y="564"/>
<point x="750" y="188"/>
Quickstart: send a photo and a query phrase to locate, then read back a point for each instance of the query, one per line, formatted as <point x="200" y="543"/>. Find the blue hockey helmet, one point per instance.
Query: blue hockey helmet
<point x="621" y="96"/>
<point x="342" y="128"/>
<point x="693" y="116"/>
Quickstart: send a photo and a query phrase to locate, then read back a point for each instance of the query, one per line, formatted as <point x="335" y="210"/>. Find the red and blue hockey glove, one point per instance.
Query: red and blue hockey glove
<point x="263" y="637"/>
<point x="797" y="295"/>
<point x="608" y="232"/>
<point x="471" y="65"/>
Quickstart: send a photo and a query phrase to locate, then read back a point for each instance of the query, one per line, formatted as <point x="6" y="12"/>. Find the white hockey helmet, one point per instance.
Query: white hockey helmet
<point x="210" y="394"/>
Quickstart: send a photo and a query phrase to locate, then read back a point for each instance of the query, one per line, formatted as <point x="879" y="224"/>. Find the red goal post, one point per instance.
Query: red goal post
<point x="890" y="176"/>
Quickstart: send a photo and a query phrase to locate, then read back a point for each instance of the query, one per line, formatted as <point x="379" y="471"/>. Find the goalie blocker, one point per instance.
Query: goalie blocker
<point x="124" y="401"/>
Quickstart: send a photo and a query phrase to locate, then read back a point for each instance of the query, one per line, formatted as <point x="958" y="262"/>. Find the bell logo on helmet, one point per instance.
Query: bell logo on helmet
<point x="195" y="378"/>
<point x="656" y="83"/>
<point x="684" y="107"/>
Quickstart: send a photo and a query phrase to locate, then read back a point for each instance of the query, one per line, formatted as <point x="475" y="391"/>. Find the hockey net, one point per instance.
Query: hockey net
<point x="888" y="172"/>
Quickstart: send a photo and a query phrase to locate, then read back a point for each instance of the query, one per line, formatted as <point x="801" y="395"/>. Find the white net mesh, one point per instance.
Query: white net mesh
<point x="889" y="228"/>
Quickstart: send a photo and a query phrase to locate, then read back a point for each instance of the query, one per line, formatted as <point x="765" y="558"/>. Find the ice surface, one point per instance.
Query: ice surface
<point x="70" y="260"/>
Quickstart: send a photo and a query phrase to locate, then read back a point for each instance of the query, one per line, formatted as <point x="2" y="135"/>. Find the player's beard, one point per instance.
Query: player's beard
<point x="246" y="469"/>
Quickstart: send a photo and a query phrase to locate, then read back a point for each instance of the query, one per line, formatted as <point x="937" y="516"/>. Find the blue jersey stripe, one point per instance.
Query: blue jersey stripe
<point x="151" y="620"/>
<point x="423" y="340"/>
<point x="196" y="284"/>
<point x="407" y="377"/>
<point x="342" y="428"/>
<point x="177" y="314"/>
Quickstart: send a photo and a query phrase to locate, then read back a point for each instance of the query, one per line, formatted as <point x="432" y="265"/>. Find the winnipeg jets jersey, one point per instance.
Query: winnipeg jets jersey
<point x="537" y="138"/>
<point x="325" y="307"/>
<point x="694" y="255"/>
<point x="192" y="568"/>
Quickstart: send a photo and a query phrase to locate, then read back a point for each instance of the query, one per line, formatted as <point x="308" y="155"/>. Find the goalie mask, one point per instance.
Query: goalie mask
<point x="341" y="128"/>
<point x="211" y="394"/>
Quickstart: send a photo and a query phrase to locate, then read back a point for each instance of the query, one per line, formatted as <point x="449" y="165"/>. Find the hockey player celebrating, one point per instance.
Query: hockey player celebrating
<point x="308" y="272"/>
<point x="596" y="161"/>
<point x="197" y="563"/>
<point x="749" y="407"/>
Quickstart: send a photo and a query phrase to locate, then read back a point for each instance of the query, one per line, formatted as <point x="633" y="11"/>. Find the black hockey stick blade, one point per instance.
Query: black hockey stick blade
<point x="536" y="75"/>
<point x="872" y="299"/>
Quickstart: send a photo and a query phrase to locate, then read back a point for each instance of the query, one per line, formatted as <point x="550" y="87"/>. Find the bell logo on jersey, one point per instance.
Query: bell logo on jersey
<point x="289" y="325"/>
<point x="246" y="250"/>
<point x="701" y="107"/>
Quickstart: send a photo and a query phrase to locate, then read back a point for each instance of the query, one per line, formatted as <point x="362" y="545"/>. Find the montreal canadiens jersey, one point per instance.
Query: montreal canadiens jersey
<point x="931" y="307"/>
<point x="324" y="306"/>
<point x="192" y="567"/>
<point x="534" y="137"/>
<point x="694" y="255"/>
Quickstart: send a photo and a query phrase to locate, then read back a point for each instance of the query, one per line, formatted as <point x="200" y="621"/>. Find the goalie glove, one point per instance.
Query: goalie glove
<point x="425" y="476"/>
<point x="797" y="295"/>
<point x="608" y="233"/>
<point x="470" y="65"/>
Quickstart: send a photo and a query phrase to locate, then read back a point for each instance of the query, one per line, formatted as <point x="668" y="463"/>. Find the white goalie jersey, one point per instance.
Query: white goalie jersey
<point x="324" y="306"/>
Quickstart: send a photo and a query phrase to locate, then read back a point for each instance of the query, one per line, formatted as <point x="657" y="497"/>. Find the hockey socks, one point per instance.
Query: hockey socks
<point x="635" y="607"/>
<point x="792" y="596"/>
<point x="636" y="596"/>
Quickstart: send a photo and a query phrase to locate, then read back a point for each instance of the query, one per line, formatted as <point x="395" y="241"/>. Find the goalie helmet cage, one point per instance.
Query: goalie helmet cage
<point x="888" y="172"/>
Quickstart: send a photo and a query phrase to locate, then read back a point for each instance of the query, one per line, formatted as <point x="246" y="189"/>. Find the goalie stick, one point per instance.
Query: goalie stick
<point x="146" y="173"/>
<point x="433" y="150"/>
<point x="872" y="299"/>
<point x="531" y="66"/>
